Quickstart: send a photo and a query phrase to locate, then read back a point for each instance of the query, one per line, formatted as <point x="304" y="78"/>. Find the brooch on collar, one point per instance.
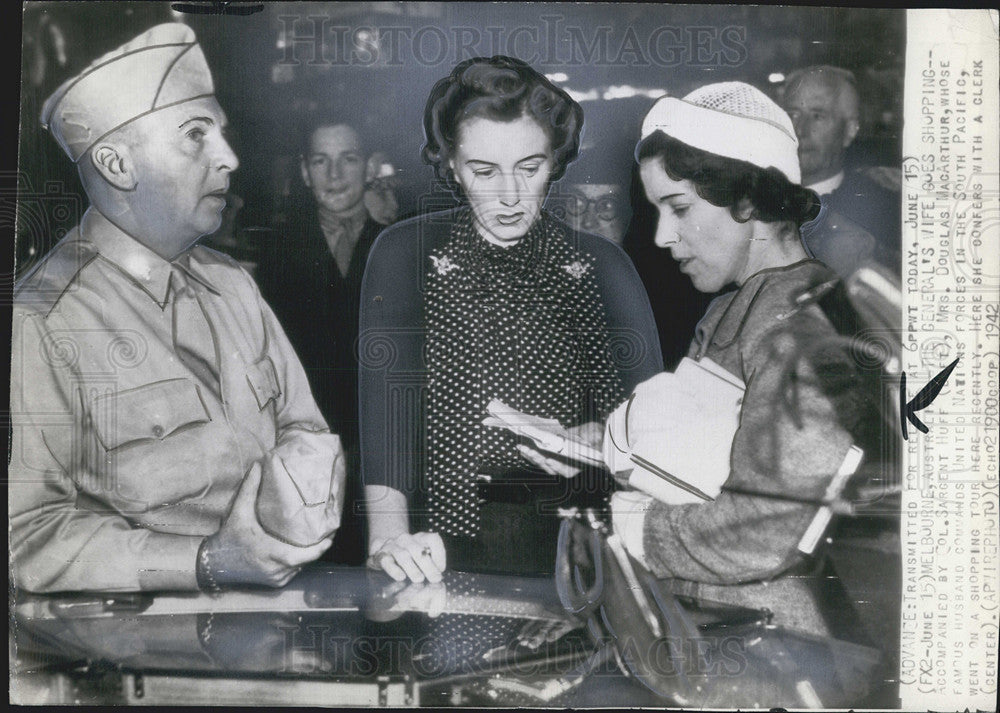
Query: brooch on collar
<point x="577" y="269"/>
<point x="443" y="265"/>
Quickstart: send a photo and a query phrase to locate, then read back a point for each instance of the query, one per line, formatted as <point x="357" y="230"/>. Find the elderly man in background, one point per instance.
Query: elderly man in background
<point x="164" y="433"/>
<point x="861" y="223"/>
<point x="310" y="273"/>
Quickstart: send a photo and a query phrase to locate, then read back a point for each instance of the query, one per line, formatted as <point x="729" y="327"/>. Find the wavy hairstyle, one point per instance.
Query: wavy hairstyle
<point x="728" y="182"/>
<point x="313" y="123"/>
<point x="501" y="89"/>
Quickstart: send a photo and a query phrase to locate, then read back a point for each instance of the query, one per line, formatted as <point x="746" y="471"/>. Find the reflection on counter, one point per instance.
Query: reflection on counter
<point x="346" y="636"/>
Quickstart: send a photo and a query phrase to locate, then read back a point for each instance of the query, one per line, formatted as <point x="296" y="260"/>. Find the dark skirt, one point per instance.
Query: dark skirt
<point x="519" y="524"/>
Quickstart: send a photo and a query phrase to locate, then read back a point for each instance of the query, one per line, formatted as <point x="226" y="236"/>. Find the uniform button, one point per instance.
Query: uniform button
<point x="158" y="431"/>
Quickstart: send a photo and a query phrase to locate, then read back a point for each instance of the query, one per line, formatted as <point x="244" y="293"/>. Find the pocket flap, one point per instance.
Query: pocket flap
<point x="150" y="412"/>
<point x="263" y="380"/>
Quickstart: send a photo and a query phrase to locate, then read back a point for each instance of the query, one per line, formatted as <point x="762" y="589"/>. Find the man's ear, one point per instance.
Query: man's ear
<point x="113" y="164"/>
<point x="305" y="172"/>
<point x="372" y="166"/>
<point x="850" y="131"/>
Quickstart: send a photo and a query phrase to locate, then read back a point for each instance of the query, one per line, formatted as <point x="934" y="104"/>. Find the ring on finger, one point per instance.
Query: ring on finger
<point x="426" y="552"/>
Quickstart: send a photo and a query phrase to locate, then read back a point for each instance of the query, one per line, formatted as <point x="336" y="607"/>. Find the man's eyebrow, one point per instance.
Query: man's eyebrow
<point x="207" y="119"/>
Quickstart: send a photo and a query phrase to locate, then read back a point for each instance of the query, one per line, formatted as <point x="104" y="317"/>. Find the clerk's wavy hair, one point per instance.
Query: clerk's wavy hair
<point x="501" y="89"/>
<point x="730" y="183"/>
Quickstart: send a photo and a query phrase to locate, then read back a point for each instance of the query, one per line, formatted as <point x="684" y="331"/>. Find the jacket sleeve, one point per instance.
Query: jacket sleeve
<point x="392" y="373"/>
<point x="55" y="545"/>
<point x="790" y="442"/>
<point x="296" y="407"/>
<point x="303" y="445"/>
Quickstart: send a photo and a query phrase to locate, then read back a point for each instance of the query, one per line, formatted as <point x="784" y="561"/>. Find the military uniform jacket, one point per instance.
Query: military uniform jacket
<point x="122" y="459"/>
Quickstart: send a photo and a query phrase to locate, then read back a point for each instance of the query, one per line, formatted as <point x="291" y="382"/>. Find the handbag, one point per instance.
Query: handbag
<point x="653" y="638"/>
<point x="696" y="653"/>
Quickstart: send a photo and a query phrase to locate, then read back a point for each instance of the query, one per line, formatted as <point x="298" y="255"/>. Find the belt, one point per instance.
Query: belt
<point x="517" y="493"/>
<point x="504" y="490"/>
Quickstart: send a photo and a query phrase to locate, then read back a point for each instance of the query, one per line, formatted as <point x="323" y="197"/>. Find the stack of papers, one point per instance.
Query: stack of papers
<point x="547" y="433"/>
<point x="673" y="437"/>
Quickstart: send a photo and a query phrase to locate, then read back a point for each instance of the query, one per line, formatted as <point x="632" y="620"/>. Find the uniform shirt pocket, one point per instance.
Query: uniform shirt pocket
<point x="146" y="413"/>
<point x="263" y="380"/>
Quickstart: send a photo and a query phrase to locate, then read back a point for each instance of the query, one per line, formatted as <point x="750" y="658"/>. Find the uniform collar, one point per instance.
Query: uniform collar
<point x="144" y="268"/>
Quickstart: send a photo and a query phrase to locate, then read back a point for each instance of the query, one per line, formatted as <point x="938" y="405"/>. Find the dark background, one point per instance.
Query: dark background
<point x="375" y="63"/>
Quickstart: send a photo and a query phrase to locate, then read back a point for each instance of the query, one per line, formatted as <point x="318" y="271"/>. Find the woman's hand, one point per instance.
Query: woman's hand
<point x="540" y="631"/>
<point x="416" y="557"/>
<point x="590" y="434"/>
<point x="396" y="598"/>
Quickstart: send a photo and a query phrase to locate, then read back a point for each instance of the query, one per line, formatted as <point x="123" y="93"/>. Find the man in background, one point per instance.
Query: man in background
<point x="861" y="223"/>
<point x="310" y="272"/>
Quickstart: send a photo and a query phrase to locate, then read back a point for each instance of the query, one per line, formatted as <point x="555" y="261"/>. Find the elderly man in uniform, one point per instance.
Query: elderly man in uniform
<point x="164" y="433"/>
<point x="861" y="223"/>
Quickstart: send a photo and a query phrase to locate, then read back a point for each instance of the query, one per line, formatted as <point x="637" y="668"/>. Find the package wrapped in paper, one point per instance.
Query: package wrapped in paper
<point x="302" y="488"/>
<point x="675" y="434"/>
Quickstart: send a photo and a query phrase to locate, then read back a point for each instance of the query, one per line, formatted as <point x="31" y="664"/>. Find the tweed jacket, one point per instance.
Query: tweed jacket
<point x="742" y="548"/>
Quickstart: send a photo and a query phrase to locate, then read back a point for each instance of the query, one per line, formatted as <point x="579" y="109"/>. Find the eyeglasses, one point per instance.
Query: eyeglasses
<point x="605" y="207"/>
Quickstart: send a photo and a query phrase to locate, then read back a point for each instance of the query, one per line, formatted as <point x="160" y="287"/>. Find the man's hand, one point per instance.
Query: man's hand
<point x="589" y="434"/>
<point x="415" y="557"/>
<point x="242" y="553"/>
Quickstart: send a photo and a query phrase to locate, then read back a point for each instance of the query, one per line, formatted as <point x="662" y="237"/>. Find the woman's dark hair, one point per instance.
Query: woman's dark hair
<point x="727" y="182"/>
<point x="502" y="89"/>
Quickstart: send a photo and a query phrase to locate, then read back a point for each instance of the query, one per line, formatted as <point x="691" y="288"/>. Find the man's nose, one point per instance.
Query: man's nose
<point x="801" y="125"/>
<point x="226" y="159"/>
<point x="334" y="169"/>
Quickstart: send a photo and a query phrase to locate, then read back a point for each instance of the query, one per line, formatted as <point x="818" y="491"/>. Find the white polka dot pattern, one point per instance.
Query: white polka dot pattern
<point x="523" y="324"/>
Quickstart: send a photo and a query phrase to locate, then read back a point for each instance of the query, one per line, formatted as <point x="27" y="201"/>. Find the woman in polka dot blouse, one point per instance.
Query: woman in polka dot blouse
<point x="493" y="300"/>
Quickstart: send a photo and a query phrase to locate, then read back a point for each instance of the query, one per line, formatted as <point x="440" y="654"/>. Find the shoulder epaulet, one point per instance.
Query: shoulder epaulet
<point x="56" y="275"/>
